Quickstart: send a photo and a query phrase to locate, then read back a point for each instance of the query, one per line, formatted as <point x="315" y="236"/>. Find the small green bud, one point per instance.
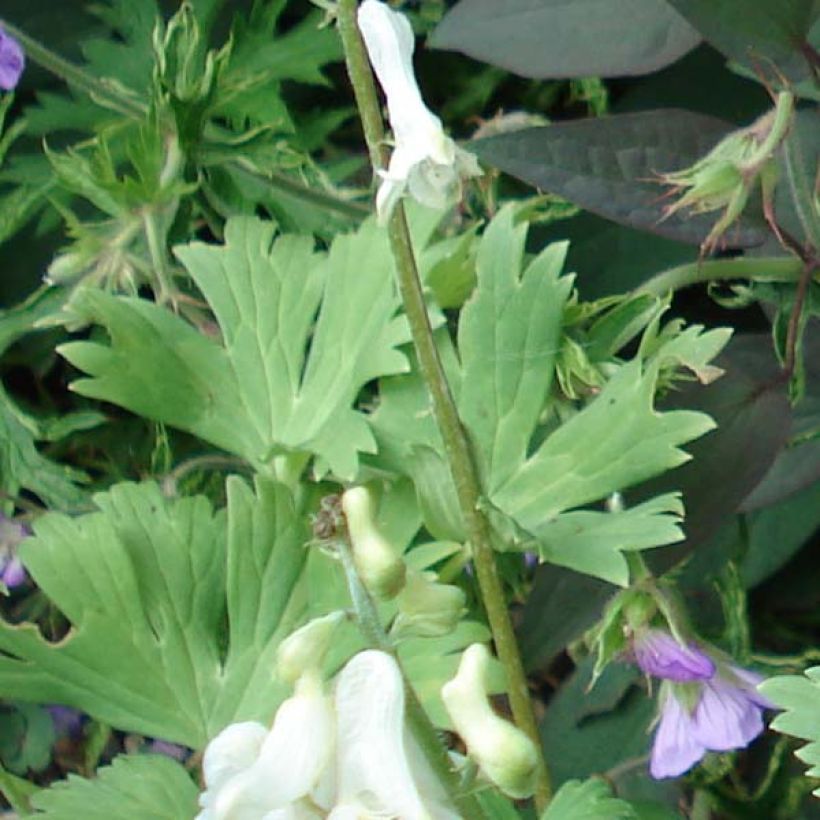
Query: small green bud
<point x="379" y="565"/>
<point x="306" y="648"/>
<point x="427" y="608"/>
<point x="726" y="176"/>
<point x="503" y="752"/>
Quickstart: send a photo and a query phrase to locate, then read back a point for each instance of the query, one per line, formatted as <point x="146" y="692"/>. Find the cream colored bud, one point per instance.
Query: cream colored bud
<point x="305" y="648"/>
<point x="379" y="564"/>
<point x="427" y="608"/>
<point x="503" y="752"/>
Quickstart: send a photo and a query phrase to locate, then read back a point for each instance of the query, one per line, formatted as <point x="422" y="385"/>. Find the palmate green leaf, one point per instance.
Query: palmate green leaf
<point x="617" y="441"/>
<point x="510" y="331"/>
<point x="508" y="338"/>
<point x="799" y="696"/>
<point x="594" y="542"/>
<point x="553" y="38"/>
<point x="147" y="584"/>
<point x="133" y="787"/>
<point x="588" y="800"/>
<point x="261" y="392"/>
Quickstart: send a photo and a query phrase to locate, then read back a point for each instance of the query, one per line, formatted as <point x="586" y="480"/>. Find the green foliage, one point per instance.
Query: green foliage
<point x="26" y="737"/>
<point x="146" y="584"/>
<point x="799" y="696"/>
<point x="262" y="392"/>
<point x="510" y="333"/>
<point x="758" y="33"/>
<point x="588" y="800"/>
<point x="610" y="166"/>
<point x="23" y="467"/>
<point x="133" y="787"/>
<point x="553" y="39"/>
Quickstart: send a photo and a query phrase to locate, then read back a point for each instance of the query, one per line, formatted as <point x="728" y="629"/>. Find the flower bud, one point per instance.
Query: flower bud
<point x="503" y="752"/>
<point x="380" y="566"/>
<point x="427" y="609"/>
<point x="726" y="176"/>
<point x="305" y="648"/>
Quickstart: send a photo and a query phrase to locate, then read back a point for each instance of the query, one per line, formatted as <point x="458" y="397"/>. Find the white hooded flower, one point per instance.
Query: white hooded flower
<point x="350" y="756"/>
<point x="425" y="160"/>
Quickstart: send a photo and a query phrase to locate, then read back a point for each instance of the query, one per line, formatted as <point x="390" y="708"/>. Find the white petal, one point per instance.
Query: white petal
<point x="291" y="760"/>
<point x="373" y="771"/>
<point x="232" y="751"/>
<point x="390" y="42"/>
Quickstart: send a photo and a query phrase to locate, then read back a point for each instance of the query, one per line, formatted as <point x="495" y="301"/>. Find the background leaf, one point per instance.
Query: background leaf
<point x="146" y="584"/>
<point x="608" y="166"/>
<point x="758" y="33"/>
<point x="133" y="787"/>
<point x="553" y="38"/>
<point x="799" y="696"/>
<point x="590" y="800"/>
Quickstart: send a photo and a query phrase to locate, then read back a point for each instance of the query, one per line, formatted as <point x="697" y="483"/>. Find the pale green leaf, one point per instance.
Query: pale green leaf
<point x="799" y="697"/>
<point x="594" y="542"/>
<point x="509" y="335"/>
<point x="133" y="787"/>
<point x="616" y="441"/>
<point x="588" y="800"/>
<point x="147" y="584"/>
<point x="284" y="379"/>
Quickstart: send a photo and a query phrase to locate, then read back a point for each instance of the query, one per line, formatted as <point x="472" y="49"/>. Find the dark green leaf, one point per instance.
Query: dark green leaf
<point x="758" y="33"/>
<point x="751" y="409"/>
<point x="554" y="38"/>
<point x="561" y="606"/>
<point x="608" y="166"/>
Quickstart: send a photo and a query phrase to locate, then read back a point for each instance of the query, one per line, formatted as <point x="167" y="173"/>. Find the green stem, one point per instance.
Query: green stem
<point x="101" y="91"/>
<point x="765" y="269"/>
<point x="367" y="618"/>
<point x="456" y="445"/>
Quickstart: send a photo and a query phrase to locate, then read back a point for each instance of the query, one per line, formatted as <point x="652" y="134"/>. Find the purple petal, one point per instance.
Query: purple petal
<point x="749" y="681"/>
<point x="172" y="750"/>
<point x="675" y="748"/>
<point x="13" y="574"/>
<point x="726" y="717"/>
<point x="660" y="655"/>
<point x="67" y="721"/>
<point x="12" y="61"/>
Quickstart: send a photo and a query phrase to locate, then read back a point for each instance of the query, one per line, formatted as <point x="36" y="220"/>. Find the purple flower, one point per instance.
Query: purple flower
<point x="67" y="721"/>
<point x="12" y="572"/>
<point x="714" y="715"/>
<point x="12" y="61"/>
<point x="660" y="655"/>
<point x="172" y="750"/>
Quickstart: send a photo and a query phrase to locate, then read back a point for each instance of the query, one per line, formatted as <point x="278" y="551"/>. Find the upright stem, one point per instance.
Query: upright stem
<point x="456" y="445"/>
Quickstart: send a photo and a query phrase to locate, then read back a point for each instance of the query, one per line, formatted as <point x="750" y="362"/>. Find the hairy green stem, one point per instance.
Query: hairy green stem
<point x="456" y="445"/>
<point x="367" y="618"/>
<point x="103" y="92"/>
<point x="764" y="269"/>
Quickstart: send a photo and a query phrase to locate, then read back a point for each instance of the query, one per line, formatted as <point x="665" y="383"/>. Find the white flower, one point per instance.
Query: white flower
<point x="425" y="160"/>
<point x="344" y="758"/>
<point x="503" y="752"/>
